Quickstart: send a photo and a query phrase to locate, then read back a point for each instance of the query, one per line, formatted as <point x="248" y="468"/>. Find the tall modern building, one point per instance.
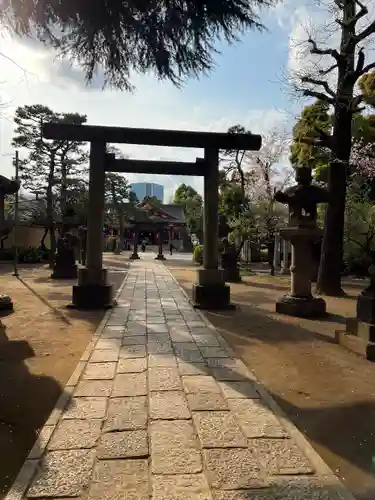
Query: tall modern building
<point x="143" y="189"/>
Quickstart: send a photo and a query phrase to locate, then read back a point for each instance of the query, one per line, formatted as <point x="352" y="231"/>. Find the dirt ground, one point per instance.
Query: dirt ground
<point x="328" y="392"/>
<point x="45" y="342"/>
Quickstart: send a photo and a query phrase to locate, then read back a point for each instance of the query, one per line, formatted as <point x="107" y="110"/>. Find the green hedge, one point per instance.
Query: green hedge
<point x="30" y="255"/>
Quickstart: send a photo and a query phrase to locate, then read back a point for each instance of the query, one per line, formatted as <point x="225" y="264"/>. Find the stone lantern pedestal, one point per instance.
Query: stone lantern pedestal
<point x="300" y="302"/>
<point x="359" y="335"/>
<point x="118" y="249"/>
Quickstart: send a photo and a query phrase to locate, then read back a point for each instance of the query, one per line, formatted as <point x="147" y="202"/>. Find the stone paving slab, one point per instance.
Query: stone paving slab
<point x="127" y="444"/>
<point x="160" y="408"/>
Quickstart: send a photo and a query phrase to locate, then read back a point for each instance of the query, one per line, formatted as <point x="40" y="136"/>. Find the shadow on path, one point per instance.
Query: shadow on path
<point x="22" y="409"/>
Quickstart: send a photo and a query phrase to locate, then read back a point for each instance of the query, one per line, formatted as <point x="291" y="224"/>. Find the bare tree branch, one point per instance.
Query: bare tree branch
<point x="356" y="101"/>
<point x="358" y="110"/>
<point x="328" y="70"/>
<point x="321" y="83"/>
<point x="318" y="95"/>
<point x="323" y="52"/>
<point x="323" y="134"/>
<point x="368" y="68"/>
<point x="370" y="30"/>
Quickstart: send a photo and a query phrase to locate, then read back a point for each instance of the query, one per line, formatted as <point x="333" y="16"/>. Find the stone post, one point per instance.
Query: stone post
<point x="285" y="266"/>
<point x="210" y="291"/>
<point x="134" y="255"/>
<point x="160" y="255"/>
<point x="276" y="253"/>
<point x="93" y="290"/>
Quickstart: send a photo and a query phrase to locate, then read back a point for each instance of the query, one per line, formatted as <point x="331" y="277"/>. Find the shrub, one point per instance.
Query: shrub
<point x="7" y="254"/>
<point x="198" y="254"/>
<point x="44" y="253"/>
<point x="357" y="263"/>
<point x="31" y="255"/>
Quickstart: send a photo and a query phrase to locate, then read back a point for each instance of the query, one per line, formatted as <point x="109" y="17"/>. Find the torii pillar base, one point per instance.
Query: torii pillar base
<point x="92" y="291"/>
<point x="210" y="292"/>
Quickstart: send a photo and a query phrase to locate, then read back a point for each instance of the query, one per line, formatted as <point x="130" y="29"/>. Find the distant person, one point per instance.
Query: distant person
<point x="143" y="246"/>
<point x="171" y="247"/>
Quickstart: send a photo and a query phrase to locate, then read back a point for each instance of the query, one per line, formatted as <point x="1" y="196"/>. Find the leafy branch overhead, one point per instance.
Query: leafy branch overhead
<point x="174" y="39"/>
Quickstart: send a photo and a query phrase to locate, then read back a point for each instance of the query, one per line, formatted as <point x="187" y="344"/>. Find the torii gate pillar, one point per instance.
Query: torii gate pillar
<point x="93" y="290"/>
<point x="210" y="291"/>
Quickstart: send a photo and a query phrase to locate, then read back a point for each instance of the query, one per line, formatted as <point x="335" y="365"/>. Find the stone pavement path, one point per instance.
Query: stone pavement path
<point x="160" y="407"/>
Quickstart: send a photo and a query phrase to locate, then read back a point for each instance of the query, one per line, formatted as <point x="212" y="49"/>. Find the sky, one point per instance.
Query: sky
<point x="248" y="86"/>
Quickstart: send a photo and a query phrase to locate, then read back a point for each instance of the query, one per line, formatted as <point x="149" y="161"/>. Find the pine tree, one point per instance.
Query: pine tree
<point x="46" y="164"/>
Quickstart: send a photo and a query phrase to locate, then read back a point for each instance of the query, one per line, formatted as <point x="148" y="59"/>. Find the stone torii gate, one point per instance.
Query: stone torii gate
<point x="93" y="290"/>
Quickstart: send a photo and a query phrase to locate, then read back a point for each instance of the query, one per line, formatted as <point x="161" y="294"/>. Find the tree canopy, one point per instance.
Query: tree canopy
<point x="174" y="39"/>
<point x="191" y="202"/>
<point x="314" y="119"/>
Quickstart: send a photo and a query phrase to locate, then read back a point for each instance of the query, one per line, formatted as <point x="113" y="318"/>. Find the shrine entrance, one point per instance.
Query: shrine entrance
<point x="93" y="290"/>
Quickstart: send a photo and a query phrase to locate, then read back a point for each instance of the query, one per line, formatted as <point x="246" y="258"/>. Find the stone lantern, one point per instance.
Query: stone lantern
<point x="302" y="232"/>
<point x="65" y="266"/>
<point x="7" y="186"/>
<point x="229" y="263"/>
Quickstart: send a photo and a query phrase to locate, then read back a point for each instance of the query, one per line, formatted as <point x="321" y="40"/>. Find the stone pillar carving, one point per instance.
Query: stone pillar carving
<point x="210" y="291"/>
<point x="276" y="252"/>
<point x="285" y="266"/>
<point x="93" y="290"/>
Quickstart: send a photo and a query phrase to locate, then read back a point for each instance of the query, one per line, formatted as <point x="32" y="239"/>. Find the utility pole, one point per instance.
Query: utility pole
<point x="15" y="230"/>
